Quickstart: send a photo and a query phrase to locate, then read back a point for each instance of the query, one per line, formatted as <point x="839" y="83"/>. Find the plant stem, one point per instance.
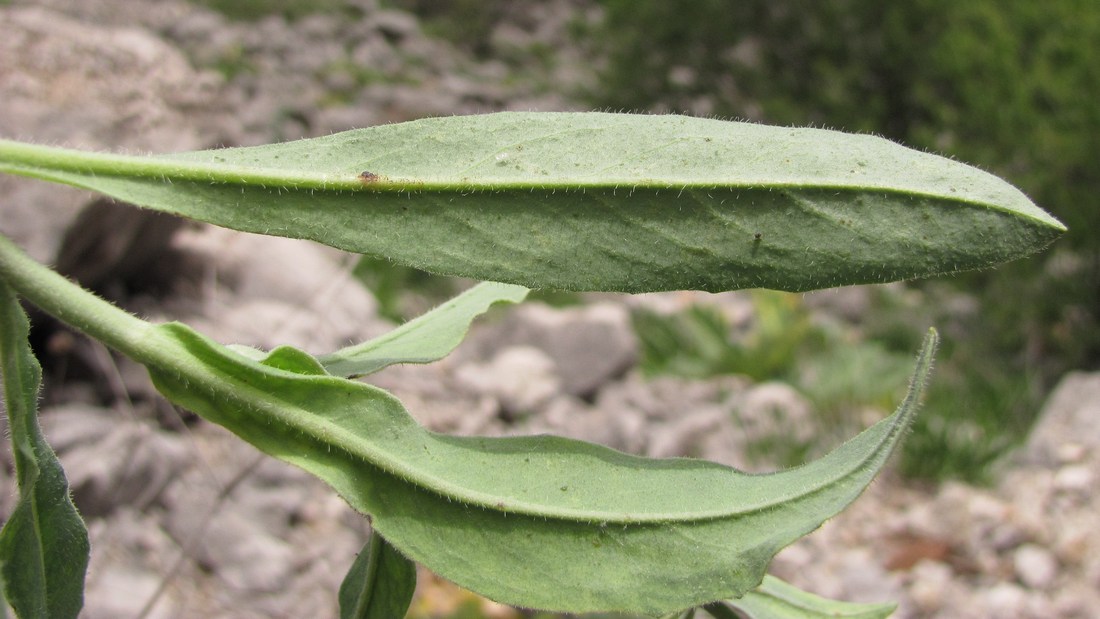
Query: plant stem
<point x="74" y="305"/>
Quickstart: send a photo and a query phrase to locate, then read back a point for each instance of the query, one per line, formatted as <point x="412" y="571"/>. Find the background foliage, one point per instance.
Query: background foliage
<point x="1009" y="86"/>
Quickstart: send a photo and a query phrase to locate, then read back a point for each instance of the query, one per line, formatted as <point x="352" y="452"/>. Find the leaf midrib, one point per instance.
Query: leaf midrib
<point x="34" y="160"/>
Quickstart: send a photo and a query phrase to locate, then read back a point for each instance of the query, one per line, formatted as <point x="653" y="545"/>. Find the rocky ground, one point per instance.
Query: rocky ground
<point x="187" y="521"/>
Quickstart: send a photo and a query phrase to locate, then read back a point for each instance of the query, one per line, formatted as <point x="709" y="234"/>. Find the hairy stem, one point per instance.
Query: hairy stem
<point x="72" y="304"/>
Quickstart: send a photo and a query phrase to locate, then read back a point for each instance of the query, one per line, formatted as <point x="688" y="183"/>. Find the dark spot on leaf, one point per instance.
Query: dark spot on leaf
<point x="756" y="236"/>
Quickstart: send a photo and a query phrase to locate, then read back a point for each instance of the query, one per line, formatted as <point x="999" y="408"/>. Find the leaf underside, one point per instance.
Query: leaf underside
<point x="43" y="545"/>
<point x="592" y="201"/>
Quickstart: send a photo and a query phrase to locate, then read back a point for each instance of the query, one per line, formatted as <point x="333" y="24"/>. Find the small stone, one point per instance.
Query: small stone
<point x="773" y="409"/>
<point x="395" y="25"/>
<point x="1075" y="533"/>
<point x="1070" y="417"/>
<point x="680" y="436"/>
<point x="566" y="415"/>
<point x="930" y="581"/>
<point x="1035" y="566"/>
<point x="121" y="591"/>
<point x="522" y="378"/>
<point x="1005" y="601"/>
<point x="110" y="461"/>
<point x="1075" y="478"/>
<point x="246" y="556"/>
<point x="1071" y="453"/>
<point x="589" y="345"/>
<point x="1075" y="600"/>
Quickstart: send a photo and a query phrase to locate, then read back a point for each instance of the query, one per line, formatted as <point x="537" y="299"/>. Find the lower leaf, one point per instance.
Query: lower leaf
<point x="380" y="583"/>
<point x="43" y="545"/>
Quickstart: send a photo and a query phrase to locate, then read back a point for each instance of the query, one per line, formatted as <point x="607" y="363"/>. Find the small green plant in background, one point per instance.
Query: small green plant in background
<point x="700" y="342"/>
<point x="834" y="369"/>
<point x="253" y="10"/>
<point x="577" y="202"/>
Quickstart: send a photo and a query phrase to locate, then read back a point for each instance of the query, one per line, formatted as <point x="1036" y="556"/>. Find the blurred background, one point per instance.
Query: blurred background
<point x="1008" y="86"/>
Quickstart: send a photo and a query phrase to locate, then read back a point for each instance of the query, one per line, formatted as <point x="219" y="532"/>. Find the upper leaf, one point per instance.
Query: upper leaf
<point x="593" y="201"/>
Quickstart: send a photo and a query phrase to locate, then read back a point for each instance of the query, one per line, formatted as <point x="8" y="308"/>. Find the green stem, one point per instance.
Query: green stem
<point x="74" y="305"/>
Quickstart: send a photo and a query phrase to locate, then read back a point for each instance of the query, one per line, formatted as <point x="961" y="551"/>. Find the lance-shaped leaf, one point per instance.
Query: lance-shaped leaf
<point x="43" y="545"/>
<point x="426" y="338"/>
<point x="380" y="583"/>
<point x="592" y="201"/>
<point x="775" y="599"/>
<point x="540" y="521"/>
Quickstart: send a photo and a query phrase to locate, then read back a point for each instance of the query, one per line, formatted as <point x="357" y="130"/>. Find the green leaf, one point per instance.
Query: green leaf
<point x="540" y="521"/>
<point x="43" y="545"/>
<point x="775" y="599"/>
<point x="593" y="201"/>
<point x="380" y="584"/>
<point x="425" y="339"/>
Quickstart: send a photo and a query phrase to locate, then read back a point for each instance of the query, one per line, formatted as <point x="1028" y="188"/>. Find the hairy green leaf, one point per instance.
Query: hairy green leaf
<point x="43" y="545"/>
<point x="542" y="522"/>
<point x="380" y="584"/>
<point x="775" y="599"/>
<point x="539" y="521"/>
<point x="593" y="201"/>
<point x="425" y="339"/>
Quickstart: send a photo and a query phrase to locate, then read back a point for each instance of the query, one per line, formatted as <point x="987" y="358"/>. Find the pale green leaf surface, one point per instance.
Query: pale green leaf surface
<point x="424" y="339"/>
<point x="593" y="201"/>
<point x="43" y="545"/>
<point x="775" y="599"/>
<point x="380" y="583"/>
<point x="542" y="522"/>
